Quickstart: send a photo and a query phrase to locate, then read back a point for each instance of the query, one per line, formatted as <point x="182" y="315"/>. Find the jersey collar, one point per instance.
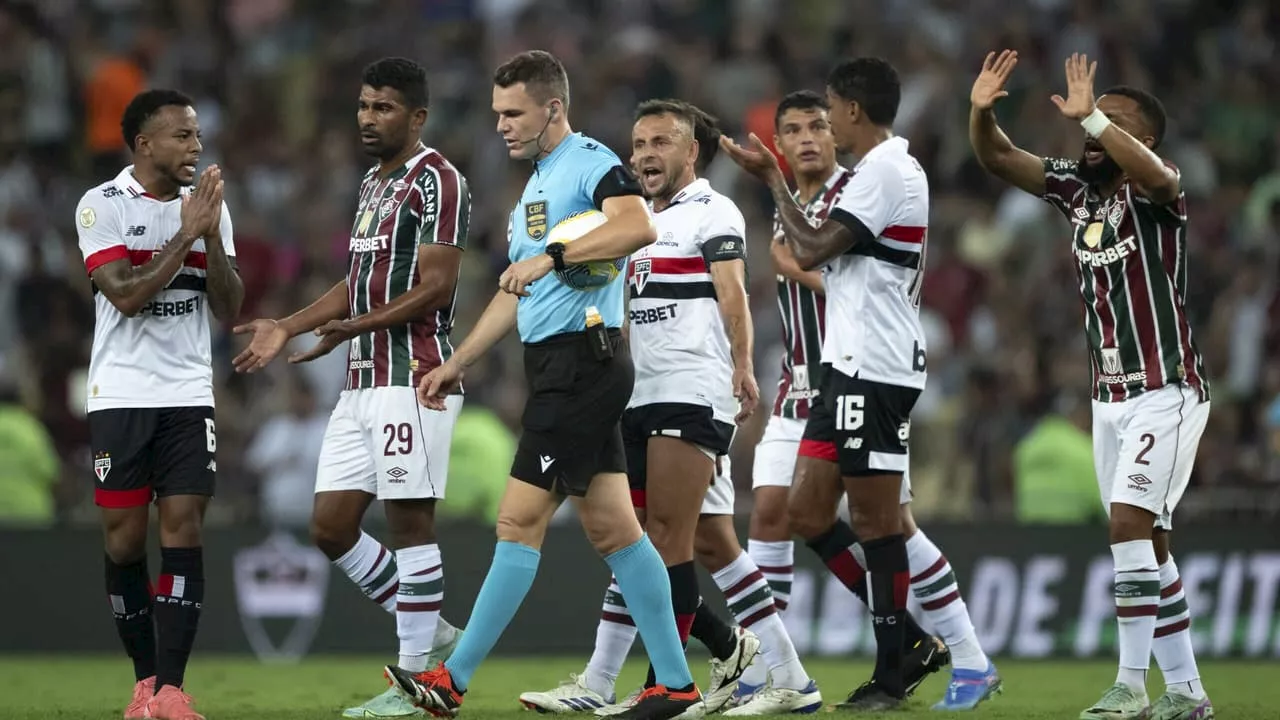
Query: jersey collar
<point x="570" y="140"/>
<point x="130" y="185"/>
<point x="896" y="145"/>
<point x="697" y="187"/>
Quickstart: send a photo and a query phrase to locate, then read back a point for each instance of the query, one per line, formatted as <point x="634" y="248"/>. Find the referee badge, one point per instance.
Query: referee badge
<point x="535" y="219"/>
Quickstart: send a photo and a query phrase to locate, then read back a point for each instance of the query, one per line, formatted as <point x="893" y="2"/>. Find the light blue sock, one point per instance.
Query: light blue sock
<point x="509" y="579"/>
<point x="643" y="580"/>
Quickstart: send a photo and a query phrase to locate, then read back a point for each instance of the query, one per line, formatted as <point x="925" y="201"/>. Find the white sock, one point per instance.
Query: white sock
<point x="372" y="567"/>
<point x="776" y="561"/>
<point x="751" y="602"/>
<point x="934" y="584"/>
<point x="418" y="603"/>
<point x="1137" y="592"/>
<point x="615" y="635"/>
<point x="1172" y="641"/>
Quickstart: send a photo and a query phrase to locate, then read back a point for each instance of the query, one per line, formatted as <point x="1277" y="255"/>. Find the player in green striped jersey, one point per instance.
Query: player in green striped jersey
<point x="1151" y="397"/>
<point x="396" y="308"/>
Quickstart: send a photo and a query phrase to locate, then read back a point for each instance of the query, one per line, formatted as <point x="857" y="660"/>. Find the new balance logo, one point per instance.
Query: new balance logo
<point x="136" y="231"/>
<point x="546" y="461"/>
<point x="853" y="444"/>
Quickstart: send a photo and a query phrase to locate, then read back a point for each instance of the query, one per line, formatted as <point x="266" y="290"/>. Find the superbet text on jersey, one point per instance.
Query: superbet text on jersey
<point x="161" y="356"/>
<point x="873" y="290"/>
<point x="678" y="341"/>
<point x="423" y="201"/>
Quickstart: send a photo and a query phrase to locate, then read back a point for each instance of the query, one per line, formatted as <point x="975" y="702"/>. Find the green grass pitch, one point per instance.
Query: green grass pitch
<point x="239" y="688"/>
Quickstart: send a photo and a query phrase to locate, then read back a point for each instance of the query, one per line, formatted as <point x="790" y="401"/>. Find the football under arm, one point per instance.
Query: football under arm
<point x="438" y="266"/>
<point x="998" y="155"/>
<point x="498" y="319"/>
<point x="730" y="280"/>
<point x="130" y="287"/>
<point x="629" y="228"/>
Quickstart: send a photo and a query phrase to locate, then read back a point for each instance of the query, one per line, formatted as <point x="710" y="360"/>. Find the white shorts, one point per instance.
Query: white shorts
<point x="776" y="453"/>
<point x="381" y="441"/>
<point x="720" y="497"/>
<point x="1144" y="448"/>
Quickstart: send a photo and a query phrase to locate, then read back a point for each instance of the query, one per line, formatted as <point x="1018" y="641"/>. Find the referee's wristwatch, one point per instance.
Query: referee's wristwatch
<point x="556" y="251"/>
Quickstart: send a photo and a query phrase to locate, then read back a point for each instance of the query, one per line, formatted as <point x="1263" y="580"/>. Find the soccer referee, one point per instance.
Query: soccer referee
<point x="580" y="378"/>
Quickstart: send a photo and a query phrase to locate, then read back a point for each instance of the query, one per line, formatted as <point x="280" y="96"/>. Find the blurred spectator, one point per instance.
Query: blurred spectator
<point x="30" y="467"/>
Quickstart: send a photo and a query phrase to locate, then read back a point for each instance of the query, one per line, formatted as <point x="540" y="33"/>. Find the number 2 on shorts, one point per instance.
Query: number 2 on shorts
<point x="403" y="433"/>
<point x="1148" y="441"/>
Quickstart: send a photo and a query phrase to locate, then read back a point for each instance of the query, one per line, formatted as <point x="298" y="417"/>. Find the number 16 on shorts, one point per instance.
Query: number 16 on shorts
<point x="873" y="425"/>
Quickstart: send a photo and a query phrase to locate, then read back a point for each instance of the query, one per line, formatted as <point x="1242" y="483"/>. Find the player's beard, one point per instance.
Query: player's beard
<point x="1100" y="174"/>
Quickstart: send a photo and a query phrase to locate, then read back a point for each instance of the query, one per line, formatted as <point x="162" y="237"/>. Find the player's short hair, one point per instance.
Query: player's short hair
<point x="541" y="72"/>
<point x="705" y="127"/>
<point x="799" y="100"/>
<point x="401" y="74"/>
<point x="1149" y="106"/>
<point x="872" y="83"/>
<point x="143" y="107"/>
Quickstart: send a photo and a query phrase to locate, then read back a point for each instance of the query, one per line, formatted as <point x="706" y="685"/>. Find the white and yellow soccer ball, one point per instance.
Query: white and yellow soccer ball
<point x="584" y="276"/>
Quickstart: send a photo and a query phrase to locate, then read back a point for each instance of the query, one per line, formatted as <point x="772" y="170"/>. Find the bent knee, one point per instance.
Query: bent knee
<point x="333" y="538"/>
<point x="520" y="530"/>
<point x="809" y="522"/>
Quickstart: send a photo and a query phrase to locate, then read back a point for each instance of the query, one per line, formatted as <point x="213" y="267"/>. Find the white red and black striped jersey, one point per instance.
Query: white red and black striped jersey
<point x="873" y="289"/>
<point x="425" y="201"/>
<point x="803" y="313"/>
<point x="1131" y="263"/>
<point x="161" y="357"/>
<point x="678" y="342"/>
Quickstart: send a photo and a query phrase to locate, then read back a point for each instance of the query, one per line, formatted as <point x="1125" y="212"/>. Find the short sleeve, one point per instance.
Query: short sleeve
<point x="1062" y="183"/>
<point x="604" y="177"/>
<point x="724" y="236"/>
<point x="98" y="230"/>
<point x="871" y="197"/>
<point x="443" y="202"/>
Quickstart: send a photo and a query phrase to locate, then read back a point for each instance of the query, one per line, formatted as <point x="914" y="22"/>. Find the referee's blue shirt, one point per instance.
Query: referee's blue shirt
<point x="578" y="175"/>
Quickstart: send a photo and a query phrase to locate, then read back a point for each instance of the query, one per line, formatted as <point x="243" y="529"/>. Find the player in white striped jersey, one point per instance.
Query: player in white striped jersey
<point x="872" y="252"/>
<point x="162" y="260"/>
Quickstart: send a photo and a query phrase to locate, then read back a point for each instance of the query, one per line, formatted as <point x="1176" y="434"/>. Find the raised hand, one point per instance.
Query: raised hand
<point x="989" y="87"/>
<point x="202" y="207"/>
<point x="757" y="159"/>
<point x="1080" y="100"/>
<point x="268" y="340"/>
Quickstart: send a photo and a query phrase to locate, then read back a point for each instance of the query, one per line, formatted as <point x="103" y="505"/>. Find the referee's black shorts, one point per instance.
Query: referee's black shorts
<point x="571" y="428"/>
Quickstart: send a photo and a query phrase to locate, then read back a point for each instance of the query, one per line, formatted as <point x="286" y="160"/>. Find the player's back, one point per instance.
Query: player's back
<point x="160" y="357"/>
<point x="424" y="201"/>
<point x="678" y="341"/>
<point x="873" y="290"/>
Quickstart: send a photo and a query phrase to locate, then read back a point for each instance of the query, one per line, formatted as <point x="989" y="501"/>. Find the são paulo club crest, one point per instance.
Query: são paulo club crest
<point x="280" y="591"/>
<point x="102" y="465"/>
<point x="640" y="270"/>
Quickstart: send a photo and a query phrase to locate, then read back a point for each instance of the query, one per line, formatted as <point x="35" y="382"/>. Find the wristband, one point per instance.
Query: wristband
<point x="556" y="251"/>
<point x="1095" y="122"/>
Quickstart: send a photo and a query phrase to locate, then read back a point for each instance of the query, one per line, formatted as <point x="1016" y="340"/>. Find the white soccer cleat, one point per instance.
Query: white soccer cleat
<point x="781" y="701"/>
<point x="725" y="673"/>
<point x="570" y="697"/>
<point x="621" y="706"/>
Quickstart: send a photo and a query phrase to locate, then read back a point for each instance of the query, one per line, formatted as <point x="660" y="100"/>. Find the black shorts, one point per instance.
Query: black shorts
<point x="862" y="425"/>
<point x="571" y="419"/>
<point x="141" y="453"/>
<point x="686" y="421"/>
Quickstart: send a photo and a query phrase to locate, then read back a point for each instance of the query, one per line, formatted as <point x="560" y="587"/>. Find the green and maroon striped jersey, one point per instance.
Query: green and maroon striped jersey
<point x="1131" y="263"/>
<point x="424" y="201"/>
<point x="803" y="318"/>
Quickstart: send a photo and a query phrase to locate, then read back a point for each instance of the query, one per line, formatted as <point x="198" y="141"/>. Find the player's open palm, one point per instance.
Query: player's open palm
<point x="267" y="340"/>
<point x="747" y="392"/>
<point x="989" y="87"/>
<point x="755" y="159"/>
<point x="1080" y="100"/>
<point x="202" y="208"/>
<point x="436" y="385"/>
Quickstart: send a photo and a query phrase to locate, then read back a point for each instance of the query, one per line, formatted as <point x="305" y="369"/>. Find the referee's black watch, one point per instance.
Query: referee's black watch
<point x="556" y="251"/>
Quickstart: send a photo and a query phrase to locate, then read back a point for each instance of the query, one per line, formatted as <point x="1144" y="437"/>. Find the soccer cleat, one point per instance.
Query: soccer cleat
<point x="445" y="650"/>
<point x="1172" y="706"/>
<point x="142" y="692"/>
<point x="927" y="657"/>
<point x="170" y="703"/>
<point x="571" y="696"/>
<point x="621" y="706"/>
<point x="1119" y="702"/>
<point x="659" y="703"/>
<point x="781" y="701"/>
<point x="725" y="673"/>
<point x="968" y="688"/>
<point x="390" y="704"/>
<point x="432" y="690"/>
<point x="743" y="693"/>
<point x="870" y="697"/>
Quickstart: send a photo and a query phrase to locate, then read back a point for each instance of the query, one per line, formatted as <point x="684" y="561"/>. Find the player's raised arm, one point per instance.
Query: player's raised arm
<point x="129" y="287"/>
<point x="995" y="151"/>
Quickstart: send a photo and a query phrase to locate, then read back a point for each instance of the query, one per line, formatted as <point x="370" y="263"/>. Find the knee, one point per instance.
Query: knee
<point x="1130" y="523"/>
<point x="712" y="548"/>
<point x="181" y="525"/>
<point x="517" y="530"/>
<point x="808" y="522"/>
<point x="331" y="537"/>
<point x="875" y="522"/>
<point x="673" y="538"/>
<point x="770" y="522"/>
<point x="411" y="523"/>
<point x="125" y="543"/>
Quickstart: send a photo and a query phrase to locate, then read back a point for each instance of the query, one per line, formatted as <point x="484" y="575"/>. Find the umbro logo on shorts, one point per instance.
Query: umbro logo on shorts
<point x="545" y="461"/>
<point x="1139" y="482"/>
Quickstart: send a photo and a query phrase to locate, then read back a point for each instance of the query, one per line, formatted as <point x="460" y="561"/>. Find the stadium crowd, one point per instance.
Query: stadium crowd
<point x="1006" y="412"/>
